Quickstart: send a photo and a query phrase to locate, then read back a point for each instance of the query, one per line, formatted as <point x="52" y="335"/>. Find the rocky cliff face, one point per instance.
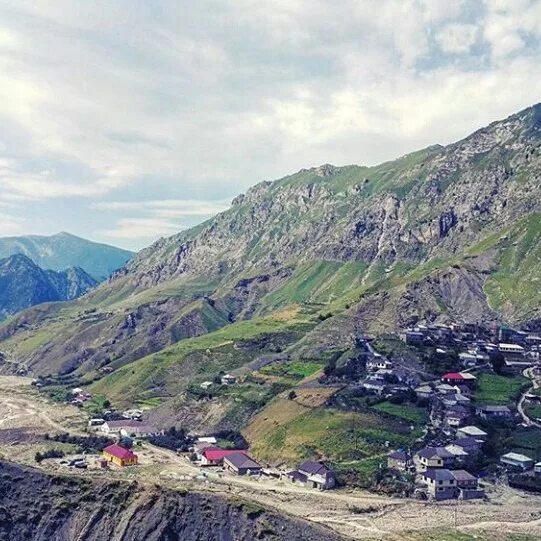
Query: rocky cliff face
<point x="430" y="203"/>
<point x="24" y="284"/>
<point x="38" y="507"/>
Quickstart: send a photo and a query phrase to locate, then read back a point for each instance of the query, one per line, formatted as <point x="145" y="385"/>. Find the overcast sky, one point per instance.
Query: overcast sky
<point x="123" y="121"/>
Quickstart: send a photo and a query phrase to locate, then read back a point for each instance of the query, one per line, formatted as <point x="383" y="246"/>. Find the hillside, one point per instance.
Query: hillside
<point x="23" y="284"/>
<point x="300" y="267"/>
<point x="39" y="507"/>
<point x="62" y="251"/>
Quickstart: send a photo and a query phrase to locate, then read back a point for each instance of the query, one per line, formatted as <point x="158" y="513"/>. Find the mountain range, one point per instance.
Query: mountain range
<point x="301" y="266"/>
<point x="62" y="251"/>
<point x="24" y="284"/>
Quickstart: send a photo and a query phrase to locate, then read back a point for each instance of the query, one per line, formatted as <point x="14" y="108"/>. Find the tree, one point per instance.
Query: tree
<point x="126" y="442"/>
<point x="498" y="363"/>
<point x="292" y="395"/>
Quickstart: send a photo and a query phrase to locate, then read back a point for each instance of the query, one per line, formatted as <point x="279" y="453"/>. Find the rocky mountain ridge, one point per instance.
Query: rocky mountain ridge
<point x="441" y="234"/>
<point x="425" y="204"/>
<point x="24" y="284"/>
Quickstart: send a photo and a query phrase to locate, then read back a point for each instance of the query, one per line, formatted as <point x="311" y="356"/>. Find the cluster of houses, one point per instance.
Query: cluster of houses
<point x="442" y="471"/>
<point x="237" y="461"/>
<point x="478" y="346"/>
<point x="385" y="379"/>
<point x="226" y="379"/>
<point x="132" y="428"/>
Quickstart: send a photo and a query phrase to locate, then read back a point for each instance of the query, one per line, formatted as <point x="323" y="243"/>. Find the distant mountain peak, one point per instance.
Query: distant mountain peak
<point x="64" y="250"/>
<point x="24" y="284"/>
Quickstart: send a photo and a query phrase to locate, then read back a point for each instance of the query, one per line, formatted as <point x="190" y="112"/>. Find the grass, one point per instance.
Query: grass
<point x="296" y="370"/>
<point x="151" y="373"/>
<point x="533" y="411"/>
<point x="515" y="286"/>
<point x="498" y="390"/>
<point x="528" y="441"/>
<point x="301" y="285"/>
<point x="150" y="403"/>
<point x="96" y="405"/>
<point x="289" y="432"/>
<point x="407" y="412"/>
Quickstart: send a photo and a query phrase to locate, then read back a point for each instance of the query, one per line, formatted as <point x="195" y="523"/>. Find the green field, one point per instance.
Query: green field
<point x="407" y="412"/>
<point x="495" y="389"/>
<point x="204" y="356"/>
<point x="528" y="442"/>
<point x="516" y="284"/>
<point x="317" y="282"/>
<point x="533" y="411"/>
<point x="296" y="370"/>
<point x="332" y="434"/>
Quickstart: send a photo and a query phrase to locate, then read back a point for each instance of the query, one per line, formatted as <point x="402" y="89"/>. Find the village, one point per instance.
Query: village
<point x="450" y="461"/>
<point x="455" y="459"/>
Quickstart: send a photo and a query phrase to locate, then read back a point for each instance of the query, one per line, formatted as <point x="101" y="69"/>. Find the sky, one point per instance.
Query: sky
<point x="123" y="121"/>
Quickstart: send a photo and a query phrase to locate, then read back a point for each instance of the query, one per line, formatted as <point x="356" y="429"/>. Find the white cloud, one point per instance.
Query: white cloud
<point x="173" y="207"/>
<point x="197" y="102"/>
<point x="10" y="225"/>
<point x="155" y="218"/>
<point x="142" y="228"/>
<point x="509" y="23"/>
<point x="457" y="38"/>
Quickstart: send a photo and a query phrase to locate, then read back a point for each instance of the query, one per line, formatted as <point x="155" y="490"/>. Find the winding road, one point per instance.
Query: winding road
<point x="528" y="373"/>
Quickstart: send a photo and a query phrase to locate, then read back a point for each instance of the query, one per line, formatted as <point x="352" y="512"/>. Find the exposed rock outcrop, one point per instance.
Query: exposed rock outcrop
<point x="39" y="507"/>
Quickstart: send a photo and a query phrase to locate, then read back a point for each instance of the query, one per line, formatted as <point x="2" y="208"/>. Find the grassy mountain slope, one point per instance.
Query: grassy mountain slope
<point x="446" y="233"/>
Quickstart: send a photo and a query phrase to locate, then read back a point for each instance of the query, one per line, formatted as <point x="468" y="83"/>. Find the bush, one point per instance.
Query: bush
<point x="52" y="453"/>
<point x="86" y="444"/>
<point x="173" y="439"/>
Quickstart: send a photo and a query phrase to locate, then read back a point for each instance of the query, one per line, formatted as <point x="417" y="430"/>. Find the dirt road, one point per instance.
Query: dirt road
<point x="353" y="513"/>
<point x="528" y="373"/>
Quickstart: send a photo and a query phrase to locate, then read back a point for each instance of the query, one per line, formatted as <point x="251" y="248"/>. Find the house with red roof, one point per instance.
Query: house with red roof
<point x="120" y="455"/>
<point x="214" y="456"/>
<point x="458" y="378"/>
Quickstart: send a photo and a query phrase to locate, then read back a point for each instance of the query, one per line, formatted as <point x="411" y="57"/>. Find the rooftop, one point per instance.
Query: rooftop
<point x="463" y="475"/>
<point x="430" y="452"/>
<point x="439" y="474"/>
<point x="119" y="452"/>
<point x="241" y="460"/>
<point x="472" y="431"/>
<point x="215" y="453"/>
<point x="314" y="468"/>
<point x="466" y="442"/>
<point x="495" y="409"/>
<point x="131" y="423"/>
<point x="453" y="375"/>
<point x="517" y="457"/>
